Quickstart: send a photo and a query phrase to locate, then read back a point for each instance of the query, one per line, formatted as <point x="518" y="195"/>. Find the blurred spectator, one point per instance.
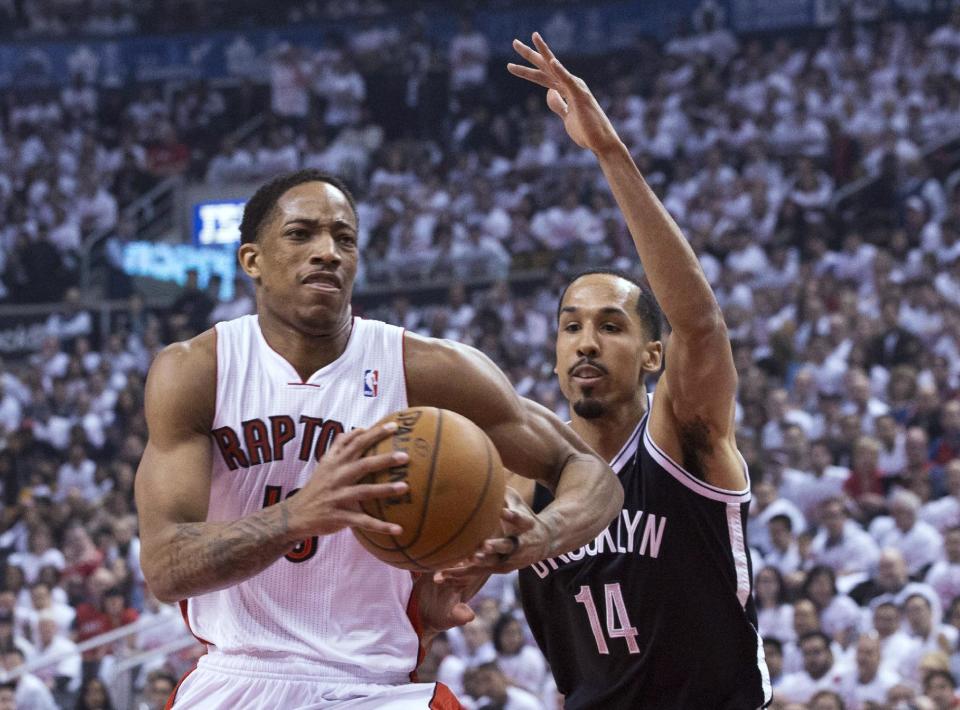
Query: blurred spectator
<point x="40" y="553"/>
<point x="867" y="681"/>
<point x="522" y="665"/>
<point x="940" y="687"/>
<point x="918" y="542"/>
<point x="31" y="691"/>
<point x="63" y="679"/>
<point x="158" y="690"/>
<point x="818" y="671"/>
<point x="94" y="696"/>
<point x="841" y="544"/>
<point x="469" y="52"/>
<point x="488" y="687"/>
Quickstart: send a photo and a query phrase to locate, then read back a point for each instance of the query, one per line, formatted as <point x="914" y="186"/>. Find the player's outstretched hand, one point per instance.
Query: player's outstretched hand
<point x="330" y="501"/>
<point x="568" y="96"/>
<point x="524" y="540"/>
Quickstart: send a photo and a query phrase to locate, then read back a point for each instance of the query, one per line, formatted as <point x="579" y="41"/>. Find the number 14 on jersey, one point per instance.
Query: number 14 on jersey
<point x="618" y="622"/>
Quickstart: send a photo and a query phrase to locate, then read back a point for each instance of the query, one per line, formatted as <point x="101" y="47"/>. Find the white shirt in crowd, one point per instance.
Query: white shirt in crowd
<point x="31" y="564"/>
<point x="809" y="491"/>
<point x="80" y="478"/>
<point x="799" y="687"/>
<point x="944" y="577"/>
<point x="921" y="545"/>
<point x="32" y="693"/>
<point x="69" y="667"/>
<point x="942" y="513"/>
<point x="854" y="552"/>
<point x="855" y="694"/>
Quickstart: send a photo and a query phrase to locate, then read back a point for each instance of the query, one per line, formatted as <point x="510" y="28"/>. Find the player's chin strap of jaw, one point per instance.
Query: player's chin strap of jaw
<point x="516" y="543"/>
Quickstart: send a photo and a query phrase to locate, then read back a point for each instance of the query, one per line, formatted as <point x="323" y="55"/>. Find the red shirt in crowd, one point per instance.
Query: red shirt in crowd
<point x="857" y="485"/>
<point x="91" y="621"/>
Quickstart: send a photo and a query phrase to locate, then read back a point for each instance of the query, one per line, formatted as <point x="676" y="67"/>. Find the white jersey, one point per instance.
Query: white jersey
<point x="329" y="608"/>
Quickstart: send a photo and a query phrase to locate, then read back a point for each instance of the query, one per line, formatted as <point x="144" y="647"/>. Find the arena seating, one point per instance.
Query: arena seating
<point x="817" y="176"/>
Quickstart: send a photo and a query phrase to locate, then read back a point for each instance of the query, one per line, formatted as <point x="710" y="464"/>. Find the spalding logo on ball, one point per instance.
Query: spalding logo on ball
<point x="456" y="490"/>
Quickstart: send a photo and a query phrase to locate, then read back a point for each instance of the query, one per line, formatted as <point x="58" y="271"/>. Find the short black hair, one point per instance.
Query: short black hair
<point x="775" y="642"/>
<point x="647" y="307"/>
<point x="259" y="207"/>
<point x="782" y="518"/>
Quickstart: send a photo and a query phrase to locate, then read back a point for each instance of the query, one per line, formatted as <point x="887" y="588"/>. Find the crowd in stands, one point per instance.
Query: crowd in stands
<point x="71" y="159"/>
<point x="47" y="19"/>
<point x="845" y="326"/>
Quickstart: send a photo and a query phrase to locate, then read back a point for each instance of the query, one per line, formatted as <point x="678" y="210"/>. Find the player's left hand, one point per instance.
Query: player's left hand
<point x="443" y="604"/>
<point x="568" y="96"/>
<point x="525" y="540"/>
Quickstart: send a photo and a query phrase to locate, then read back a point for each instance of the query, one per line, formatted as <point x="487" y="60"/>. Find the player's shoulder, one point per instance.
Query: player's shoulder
<point x="183" y="380"/>
<point x="426" y="346"/>
<point x="451" y="375"/>
<point x="196" y="356"/>
<point x="430" y="358"/>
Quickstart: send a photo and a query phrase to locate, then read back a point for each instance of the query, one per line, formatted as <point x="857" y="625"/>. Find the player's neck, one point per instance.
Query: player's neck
<point x="608" y="433"/>
<point x="305" y="353"/>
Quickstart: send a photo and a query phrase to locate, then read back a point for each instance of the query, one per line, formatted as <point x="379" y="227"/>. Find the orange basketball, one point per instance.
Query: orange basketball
<point x="456" y="490"/>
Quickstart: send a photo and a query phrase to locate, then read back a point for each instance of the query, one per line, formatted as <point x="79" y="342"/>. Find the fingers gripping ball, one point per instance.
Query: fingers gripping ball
<point x="456" y="490"/>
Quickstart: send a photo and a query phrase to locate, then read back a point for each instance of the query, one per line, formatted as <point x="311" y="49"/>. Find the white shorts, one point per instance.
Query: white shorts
<point x="214" y="685"/>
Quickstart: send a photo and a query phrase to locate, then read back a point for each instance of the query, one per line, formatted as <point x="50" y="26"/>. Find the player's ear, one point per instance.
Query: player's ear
<point x="249" y="257"/>
<point x="652" y="356"/>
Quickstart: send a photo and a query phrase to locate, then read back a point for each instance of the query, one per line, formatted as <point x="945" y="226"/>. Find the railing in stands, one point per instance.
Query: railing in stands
<point x="848" y="193"/>
<point x="152" y="213"/>
<point x="122" y="689"/>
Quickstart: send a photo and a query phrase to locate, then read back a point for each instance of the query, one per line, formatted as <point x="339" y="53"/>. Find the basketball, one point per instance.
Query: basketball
<point x="456" y="490"/>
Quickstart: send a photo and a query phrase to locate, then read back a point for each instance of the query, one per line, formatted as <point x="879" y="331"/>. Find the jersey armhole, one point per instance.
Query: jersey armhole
<point x="690" y="481"/>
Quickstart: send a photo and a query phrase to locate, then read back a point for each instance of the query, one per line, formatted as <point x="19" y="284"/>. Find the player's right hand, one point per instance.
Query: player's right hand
<point x="330" y="501"/>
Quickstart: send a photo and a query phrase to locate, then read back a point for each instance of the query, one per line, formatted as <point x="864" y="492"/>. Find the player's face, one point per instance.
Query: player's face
<point x="602" y="348"/>
<point x="306" y="259"/>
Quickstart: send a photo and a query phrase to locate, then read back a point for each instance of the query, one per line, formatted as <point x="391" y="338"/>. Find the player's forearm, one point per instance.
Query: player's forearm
<point x="674" y="272"/>
<point x="588" y="496"/>
<point x="196" y="558"/>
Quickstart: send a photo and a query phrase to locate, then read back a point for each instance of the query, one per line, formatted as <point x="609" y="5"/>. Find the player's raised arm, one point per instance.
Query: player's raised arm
<point x="531" y="440"/>
<point x="182" y="555"/>
<point x="693" y="411"/>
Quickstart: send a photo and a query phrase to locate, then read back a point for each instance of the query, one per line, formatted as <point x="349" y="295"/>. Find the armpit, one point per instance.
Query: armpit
<point x="695" y="446"/>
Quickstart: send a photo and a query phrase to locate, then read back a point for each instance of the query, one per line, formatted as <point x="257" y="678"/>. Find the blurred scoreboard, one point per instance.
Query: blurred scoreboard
<point x="217" y="222"/>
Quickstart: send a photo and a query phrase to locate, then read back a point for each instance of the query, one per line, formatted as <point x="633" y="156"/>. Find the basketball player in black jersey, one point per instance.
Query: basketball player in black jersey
<point x="657" y="612"/>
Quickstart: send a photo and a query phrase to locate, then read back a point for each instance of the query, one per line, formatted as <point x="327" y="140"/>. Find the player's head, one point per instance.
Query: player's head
<point x="608" y="340"/>
<point x="299" y="245"/>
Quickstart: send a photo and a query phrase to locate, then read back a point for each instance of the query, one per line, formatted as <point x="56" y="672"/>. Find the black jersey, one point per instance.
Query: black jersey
<point x="657" y="612"/>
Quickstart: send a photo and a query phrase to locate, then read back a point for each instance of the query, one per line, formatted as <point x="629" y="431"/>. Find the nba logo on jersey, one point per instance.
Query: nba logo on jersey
<point x="371" y="382"/>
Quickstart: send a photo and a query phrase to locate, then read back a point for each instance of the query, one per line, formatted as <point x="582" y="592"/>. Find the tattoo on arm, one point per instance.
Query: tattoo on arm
<point x="204" y="557"/>
<point x="695" y="445"/>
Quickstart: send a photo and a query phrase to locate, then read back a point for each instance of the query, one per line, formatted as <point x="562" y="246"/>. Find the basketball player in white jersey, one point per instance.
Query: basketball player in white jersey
<point x="294" y="612"/>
